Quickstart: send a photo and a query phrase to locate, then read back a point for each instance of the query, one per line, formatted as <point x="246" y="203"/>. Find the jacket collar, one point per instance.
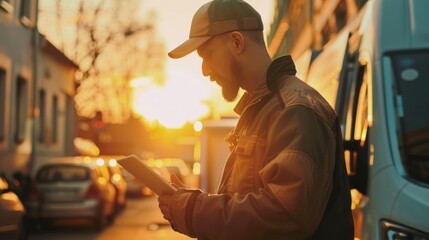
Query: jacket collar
<point x="279" y="67"/>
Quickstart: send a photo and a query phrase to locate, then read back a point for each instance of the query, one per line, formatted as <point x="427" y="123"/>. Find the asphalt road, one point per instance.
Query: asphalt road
<point x="141" y="219"/>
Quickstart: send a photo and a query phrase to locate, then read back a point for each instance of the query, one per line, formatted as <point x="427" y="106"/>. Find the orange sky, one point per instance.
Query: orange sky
<point x="187" y="94"/>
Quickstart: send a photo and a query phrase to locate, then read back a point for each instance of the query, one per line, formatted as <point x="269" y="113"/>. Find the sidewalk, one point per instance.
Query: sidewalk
<point x="142" y="219"/>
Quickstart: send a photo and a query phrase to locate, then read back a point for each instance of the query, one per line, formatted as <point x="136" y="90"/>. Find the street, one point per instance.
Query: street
<point x="141" y="219"/>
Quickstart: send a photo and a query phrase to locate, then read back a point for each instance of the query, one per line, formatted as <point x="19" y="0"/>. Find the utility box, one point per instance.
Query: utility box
<point x="214" y="151"/>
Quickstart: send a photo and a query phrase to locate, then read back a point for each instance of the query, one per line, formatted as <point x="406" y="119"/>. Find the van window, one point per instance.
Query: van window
<point x="412" y="88"/>
<point x="63" y="173"/>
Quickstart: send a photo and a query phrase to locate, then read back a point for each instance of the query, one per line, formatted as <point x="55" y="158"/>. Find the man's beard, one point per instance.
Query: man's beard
<point x="230" y="91"/>
<point x="231" y="87"/>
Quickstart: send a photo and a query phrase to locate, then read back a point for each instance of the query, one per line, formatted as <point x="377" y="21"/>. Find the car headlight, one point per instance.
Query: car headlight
<point x="394" y="231"/>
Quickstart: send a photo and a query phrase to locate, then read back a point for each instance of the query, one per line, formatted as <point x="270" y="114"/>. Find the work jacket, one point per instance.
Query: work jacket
<point x="285" y="177"/>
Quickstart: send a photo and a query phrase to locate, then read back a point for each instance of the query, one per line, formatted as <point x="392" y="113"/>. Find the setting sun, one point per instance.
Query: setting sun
<point x="171" y="105"/>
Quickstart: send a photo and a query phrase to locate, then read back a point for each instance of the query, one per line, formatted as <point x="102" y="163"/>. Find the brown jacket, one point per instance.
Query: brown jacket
<point x="285" y="177"/>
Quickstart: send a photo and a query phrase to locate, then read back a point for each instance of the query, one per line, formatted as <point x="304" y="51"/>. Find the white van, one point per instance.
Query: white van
<point x="375" y="74"/>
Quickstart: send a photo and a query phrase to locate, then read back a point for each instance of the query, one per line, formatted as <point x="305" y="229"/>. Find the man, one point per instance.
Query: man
<point x="285" y="177"/>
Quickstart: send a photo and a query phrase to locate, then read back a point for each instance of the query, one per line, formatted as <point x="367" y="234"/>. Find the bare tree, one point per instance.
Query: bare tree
<point x="110" y="43"/>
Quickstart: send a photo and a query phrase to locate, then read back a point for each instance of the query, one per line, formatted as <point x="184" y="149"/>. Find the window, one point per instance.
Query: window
<point x="6" y="5"/>
<point x="2" y="104"/>
<point x="42" y="118"/>
<point x="27" y="13"/>
<point x="21" y="108"/>
<point x="355" y="113"/>
<point x="411" y="74"/>
<point x="356" y="129"/>
<point x="349" y="117"/>
<point x="69" y="123"/>
<point x="350" y="76"/>
<point x="62" y="172"/>
<point x="346" y="92"/>
<point x="54" y="119"/>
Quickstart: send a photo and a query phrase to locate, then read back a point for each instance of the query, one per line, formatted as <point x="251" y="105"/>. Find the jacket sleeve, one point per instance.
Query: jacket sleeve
<point x="296" y="180"/>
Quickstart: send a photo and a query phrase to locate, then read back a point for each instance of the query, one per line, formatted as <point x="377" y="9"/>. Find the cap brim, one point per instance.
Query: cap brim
<point x="187" y="47"/>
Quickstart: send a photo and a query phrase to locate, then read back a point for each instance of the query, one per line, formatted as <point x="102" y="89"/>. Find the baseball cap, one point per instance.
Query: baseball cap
<point x="217" y="17"/>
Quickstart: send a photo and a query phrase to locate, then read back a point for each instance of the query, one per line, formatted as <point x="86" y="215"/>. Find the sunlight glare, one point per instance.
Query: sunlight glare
<point x="172" y="105"/>
<point x="198" y="126"/>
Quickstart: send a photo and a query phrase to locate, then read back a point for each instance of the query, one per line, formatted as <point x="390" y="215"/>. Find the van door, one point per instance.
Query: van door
<point x="354" y="110"/>
<point x="356" y="129"/>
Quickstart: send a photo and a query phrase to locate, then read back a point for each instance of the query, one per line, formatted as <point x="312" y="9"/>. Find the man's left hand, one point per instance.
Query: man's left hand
<point x="178" y="207"/>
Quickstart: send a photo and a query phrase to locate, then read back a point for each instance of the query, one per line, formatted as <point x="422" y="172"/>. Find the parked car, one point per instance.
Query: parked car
<point x="11" y="213"/>
<point x="118" y="181"/>
<point x="72" y="187"/>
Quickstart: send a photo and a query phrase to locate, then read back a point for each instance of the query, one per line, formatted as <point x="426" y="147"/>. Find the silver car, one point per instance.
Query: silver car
<point x="72" y="187"/>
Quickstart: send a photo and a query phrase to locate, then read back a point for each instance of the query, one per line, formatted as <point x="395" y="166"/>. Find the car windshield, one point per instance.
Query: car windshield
<point x="412" y="88"/>
<point x="63" y="173"/>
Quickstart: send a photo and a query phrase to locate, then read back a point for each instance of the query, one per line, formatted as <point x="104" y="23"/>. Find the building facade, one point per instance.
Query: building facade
<point x="36" y="91"/>
<point x="17" y="63"/>
<point x="300" y="25"/>
<point x="56" y="118"/>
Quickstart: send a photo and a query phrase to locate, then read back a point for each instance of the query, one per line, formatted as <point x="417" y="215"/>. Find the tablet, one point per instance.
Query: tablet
<point x="141" y="171"/>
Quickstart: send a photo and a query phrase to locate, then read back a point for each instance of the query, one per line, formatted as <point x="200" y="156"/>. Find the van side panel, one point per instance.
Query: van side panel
<point x="397" y="26"/>
<point x="412" y="206"/>
<point x="392" y="24"/>
<point x="419" y="27"/>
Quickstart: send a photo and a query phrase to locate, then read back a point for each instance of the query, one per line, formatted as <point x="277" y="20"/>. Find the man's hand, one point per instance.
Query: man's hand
<point x="177" y="208"/>
<point x="164" y="201"/>
<point x="175" y="181"/>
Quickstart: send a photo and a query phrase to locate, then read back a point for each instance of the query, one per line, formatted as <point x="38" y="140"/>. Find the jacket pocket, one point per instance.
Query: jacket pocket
<point x="248" y="158"/>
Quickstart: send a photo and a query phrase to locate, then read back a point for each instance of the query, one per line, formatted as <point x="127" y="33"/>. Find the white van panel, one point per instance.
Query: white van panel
<point x="384" y="190"/>
<point x="411" y="207"/>
<point x="419" y="10"/>
<point x="403" y="24"/>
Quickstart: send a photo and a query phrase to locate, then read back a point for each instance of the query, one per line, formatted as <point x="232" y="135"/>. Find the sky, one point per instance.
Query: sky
<point x="191" y="92"/>
<point x="186" y="96"/>
<point x="175" y="16"/>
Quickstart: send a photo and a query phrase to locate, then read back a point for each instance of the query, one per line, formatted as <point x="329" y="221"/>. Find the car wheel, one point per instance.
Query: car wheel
<point x="111" y="218"/>
<point x="116" y="206"/>
<point x="100" y="222"/>
<point x="100" y="219"/>
<point x="23" y="231"/>
<point x="30" y="224"/>
<point x="46" y="224"/>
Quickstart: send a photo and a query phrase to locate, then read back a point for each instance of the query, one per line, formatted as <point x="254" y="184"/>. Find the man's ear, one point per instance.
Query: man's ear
<point x="238" y="41"/>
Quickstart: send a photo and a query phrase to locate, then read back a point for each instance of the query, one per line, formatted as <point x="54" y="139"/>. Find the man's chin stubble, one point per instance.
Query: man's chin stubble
<point x="229" y="96"/>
